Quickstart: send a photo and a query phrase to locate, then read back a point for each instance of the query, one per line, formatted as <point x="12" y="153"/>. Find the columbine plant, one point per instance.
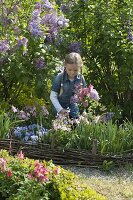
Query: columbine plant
<point x="82" y="96"/>
<point x="19" y="175"/>
<point x="31" y="113"/>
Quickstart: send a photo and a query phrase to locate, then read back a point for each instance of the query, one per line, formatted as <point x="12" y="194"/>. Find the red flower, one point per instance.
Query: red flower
<point x="9" y="173"/>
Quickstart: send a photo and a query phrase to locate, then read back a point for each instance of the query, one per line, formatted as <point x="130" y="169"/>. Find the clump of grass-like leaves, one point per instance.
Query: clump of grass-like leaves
<point x="110" y="137"/>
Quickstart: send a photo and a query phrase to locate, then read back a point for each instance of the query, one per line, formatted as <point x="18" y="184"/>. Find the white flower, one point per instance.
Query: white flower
<point x="34" y="138"/>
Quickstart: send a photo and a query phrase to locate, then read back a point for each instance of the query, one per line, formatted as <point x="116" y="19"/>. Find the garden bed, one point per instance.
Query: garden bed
<point x="63" y="156"/>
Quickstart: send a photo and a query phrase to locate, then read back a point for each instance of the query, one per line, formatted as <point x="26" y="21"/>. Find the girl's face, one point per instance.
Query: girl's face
<point x="72" y="70"/>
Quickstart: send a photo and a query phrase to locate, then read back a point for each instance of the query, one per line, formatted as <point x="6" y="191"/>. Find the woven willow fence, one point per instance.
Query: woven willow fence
<point x="63" y="157"/>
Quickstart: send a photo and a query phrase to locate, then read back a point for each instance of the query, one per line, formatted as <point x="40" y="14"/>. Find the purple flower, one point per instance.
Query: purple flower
<point x="40" y="63"/>
<point x="74" y="47"/>
<point x="44" y="110"/>
<point x="16" y="30"/>
<point x="4" y="46"/>
<point x="109" y="115"/>
<point x="62" y="21"/>
<point x="46" y="4"/>
<point x="38" y="5"/>
<point x="23" y="42"/>
<point x="36" y="14"/>
<point x="74" y="99"/>
<point x="94" y="95"/>
<point x="130" y="35"/>
<point x="17" y="134"/>
<point x="34" y="28"/>
<point x="23" y="115"/>
<point x="50" y="19"/>
<point x="26" y="138"/>
<point x="34" y="138"/>
<point x="32" y="126"/>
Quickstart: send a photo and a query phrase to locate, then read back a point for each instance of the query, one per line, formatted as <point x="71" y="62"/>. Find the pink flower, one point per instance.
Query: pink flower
<point x="9" y="173"/>
<point x="90" y="87"/>
<point x="44" y="171"/>
<point x="3" y="164"/>
<point x="20" y="155"/>
<point x="30" y="176"/>
<point x="37" y="163"/>
<point x="42" y="178"/>
<point x="3" y="168"/>
<point x="57" y="170"/>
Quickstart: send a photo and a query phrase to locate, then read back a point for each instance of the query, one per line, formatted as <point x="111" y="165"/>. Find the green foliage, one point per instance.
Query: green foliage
<point x="61" y="184"/>
<point x="111" y="138"/>
<point x="70" y="189"/>
<point x="4" y="125"/>
<point x="107" y="166"/>
<point x="105" y="33"/>
<point x="7" y="123"/>
<point x="19" y="62"/>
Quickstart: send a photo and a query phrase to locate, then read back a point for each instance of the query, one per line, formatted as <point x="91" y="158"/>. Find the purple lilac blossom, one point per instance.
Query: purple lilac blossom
<point x="40" y="63"/>
<point x="49" y="22"/>
<point x="46" y="4"/>
<point x="23" y="41"/>
<point x="50" y="19"/>
<point x="5" y="21"/>
<point x="38" y="6"/>
<point x="4" y="46"/>
<point x="16" y="30"/>
<point x="62" y="21"/>
<point x="130" y="36"/>
<point x="74" y="47"/>
<point x="66" y="7"/>
<point x="34" y="24"/>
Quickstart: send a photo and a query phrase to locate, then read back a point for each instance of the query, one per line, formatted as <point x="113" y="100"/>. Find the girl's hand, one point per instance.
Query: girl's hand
<point x="64" y="112"/>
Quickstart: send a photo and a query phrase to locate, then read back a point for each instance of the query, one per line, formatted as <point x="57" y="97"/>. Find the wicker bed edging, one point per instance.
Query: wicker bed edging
<point x="62" y="157"/>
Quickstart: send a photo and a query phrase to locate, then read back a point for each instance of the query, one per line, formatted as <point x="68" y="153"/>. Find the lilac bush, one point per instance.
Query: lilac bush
<point x="28" y="33"/>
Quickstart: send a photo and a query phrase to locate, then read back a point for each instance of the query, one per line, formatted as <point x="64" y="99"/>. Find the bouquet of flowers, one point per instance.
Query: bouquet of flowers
<point x="82" y="96"/>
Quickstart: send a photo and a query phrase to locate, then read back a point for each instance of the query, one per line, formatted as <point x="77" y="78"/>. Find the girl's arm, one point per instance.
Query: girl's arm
<point x="55" y="102"/>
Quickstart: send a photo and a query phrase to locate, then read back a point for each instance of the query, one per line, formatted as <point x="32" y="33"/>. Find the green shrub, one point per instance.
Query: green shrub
<point x="27" y="179"/>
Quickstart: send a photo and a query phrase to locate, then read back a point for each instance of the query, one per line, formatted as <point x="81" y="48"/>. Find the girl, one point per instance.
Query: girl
<point x="64" y="85"/>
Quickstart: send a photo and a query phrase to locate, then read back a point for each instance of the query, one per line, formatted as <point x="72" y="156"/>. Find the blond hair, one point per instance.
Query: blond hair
<point x="73" y="58"/>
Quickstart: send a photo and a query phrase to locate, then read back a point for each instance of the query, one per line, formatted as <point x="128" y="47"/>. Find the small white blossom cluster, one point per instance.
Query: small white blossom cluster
<point x="62" y="122"/>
